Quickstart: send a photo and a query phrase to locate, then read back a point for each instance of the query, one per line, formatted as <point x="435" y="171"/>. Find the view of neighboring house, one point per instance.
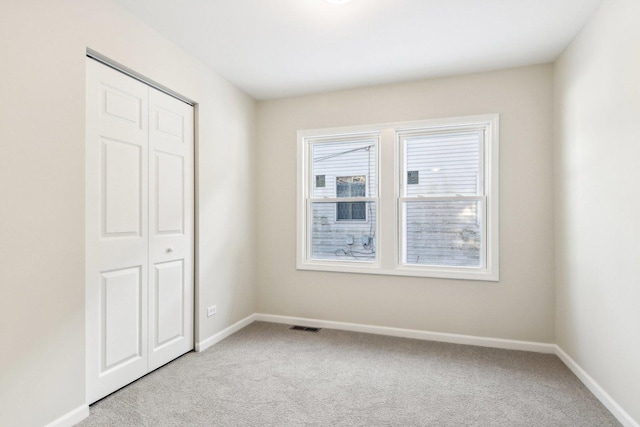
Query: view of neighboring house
<point x="444" y="232"/>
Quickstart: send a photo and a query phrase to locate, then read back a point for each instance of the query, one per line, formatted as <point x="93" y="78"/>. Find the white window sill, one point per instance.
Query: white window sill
<point x="464" y="273"/>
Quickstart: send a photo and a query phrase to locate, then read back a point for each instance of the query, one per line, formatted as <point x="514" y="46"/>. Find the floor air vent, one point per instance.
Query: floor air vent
<point x="304" y="328"/>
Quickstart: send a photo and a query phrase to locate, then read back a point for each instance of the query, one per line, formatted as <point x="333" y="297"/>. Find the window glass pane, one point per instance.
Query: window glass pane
<point x="443" y="164"/>
<point x="349" y="169"/>
<point x="443" y="233"/>
<point x="333" y="239"/>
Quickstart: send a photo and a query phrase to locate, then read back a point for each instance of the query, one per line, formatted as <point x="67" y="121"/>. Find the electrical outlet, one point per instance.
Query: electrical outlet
<point x="211" y="311"/>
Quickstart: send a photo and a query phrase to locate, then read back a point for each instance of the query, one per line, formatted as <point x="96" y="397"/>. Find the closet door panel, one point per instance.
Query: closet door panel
<point x="171" y="245"/>
<point x="116" y="230"/>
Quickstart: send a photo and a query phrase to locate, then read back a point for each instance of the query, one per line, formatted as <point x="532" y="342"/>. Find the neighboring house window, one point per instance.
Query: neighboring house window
<point x="439" y="199"/>
<point x="351" y="186"/>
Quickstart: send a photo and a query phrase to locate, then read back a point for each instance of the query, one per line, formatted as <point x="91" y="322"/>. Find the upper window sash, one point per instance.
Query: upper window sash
<point x="445" y="144"/>
<point x="353" y="143"/>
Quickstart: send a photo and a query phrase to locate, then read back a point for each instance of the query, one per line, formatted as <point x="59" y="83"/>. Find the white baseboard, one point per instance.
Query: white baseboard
<point x="216" y="338"/>
<point x="595" y="388"/>
<point x="71" y="418"/>
<point x="412" y="333"/>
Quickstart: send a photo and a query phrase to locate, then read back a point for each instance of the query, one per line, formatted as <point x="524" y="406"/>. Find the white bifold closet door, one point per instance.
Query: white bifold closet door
<point x="139" y="229"/>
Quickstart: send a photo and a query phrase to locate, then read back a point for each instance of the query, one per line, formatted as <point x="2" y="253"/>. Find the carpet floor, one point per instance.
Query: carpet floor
<point x="268" y="375"/>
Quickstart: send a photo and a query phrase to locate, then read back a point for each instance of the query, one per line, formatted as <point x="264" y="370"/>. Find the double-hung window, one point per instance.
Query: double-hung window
<point x="340" y="202"/>
<point x="417" y="199"/>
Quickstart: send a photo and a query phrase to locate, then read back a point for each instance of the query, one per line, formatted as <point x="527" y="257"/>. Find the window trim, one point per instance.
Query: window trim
<point x="389" y="181"/>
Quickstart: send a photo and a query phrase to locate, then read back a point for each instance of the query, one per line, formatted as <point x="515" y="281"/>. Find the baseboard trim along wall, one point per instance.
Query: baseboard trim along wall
<point x="595" y="388"/>
<point x="71" y="418"/>
<point x="412" y="333"/>
<point x="604" y="397"/>
<point x="216" y="338"/>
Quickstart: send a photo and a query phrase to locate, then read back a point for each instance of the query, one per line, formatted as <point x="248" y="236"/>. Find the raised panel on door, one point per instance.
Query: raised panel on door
<point x="120" y="317"/>
<point x="169" y="122"/>
<point x="116" y="230"/>
<point x="121" y="193"/>
<point x="171" y="230"/>
<point x="170" y="206"/>
<point x="168" y="303"/>
<point x="122" y="105"/>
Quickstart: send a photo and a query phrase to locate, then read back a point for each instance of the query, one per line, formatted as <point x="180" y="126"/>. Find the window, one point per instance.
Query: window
<point x="340" y="208"/>
<point x="351" y="186"/>
<point x="442" y="197"/>
<point x="435" y="214"/>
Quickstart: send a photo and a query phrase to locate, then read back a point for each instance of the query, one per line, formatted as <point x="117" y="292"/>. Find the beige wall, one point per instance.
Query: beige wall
<point x="597" y="157"/>
<point x="42" y="191"/>
<point x="520" y="306"/>
<point x="597" y="110"/>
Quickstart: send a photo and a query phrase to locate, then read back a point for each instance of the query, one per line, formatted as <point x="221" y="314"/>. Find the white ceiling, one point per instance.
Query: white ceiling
<point x="278" y="48"/>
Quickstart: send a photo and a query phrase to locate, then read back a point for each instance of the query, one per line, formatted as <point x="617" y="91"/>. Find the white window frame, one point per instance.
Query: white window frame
<point x="389" y="199"/>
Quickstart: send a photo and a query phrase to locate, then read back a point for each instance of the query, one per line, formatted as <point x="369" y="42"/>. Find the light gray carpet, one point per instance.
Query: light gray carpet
<point x="267" y="375"/>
